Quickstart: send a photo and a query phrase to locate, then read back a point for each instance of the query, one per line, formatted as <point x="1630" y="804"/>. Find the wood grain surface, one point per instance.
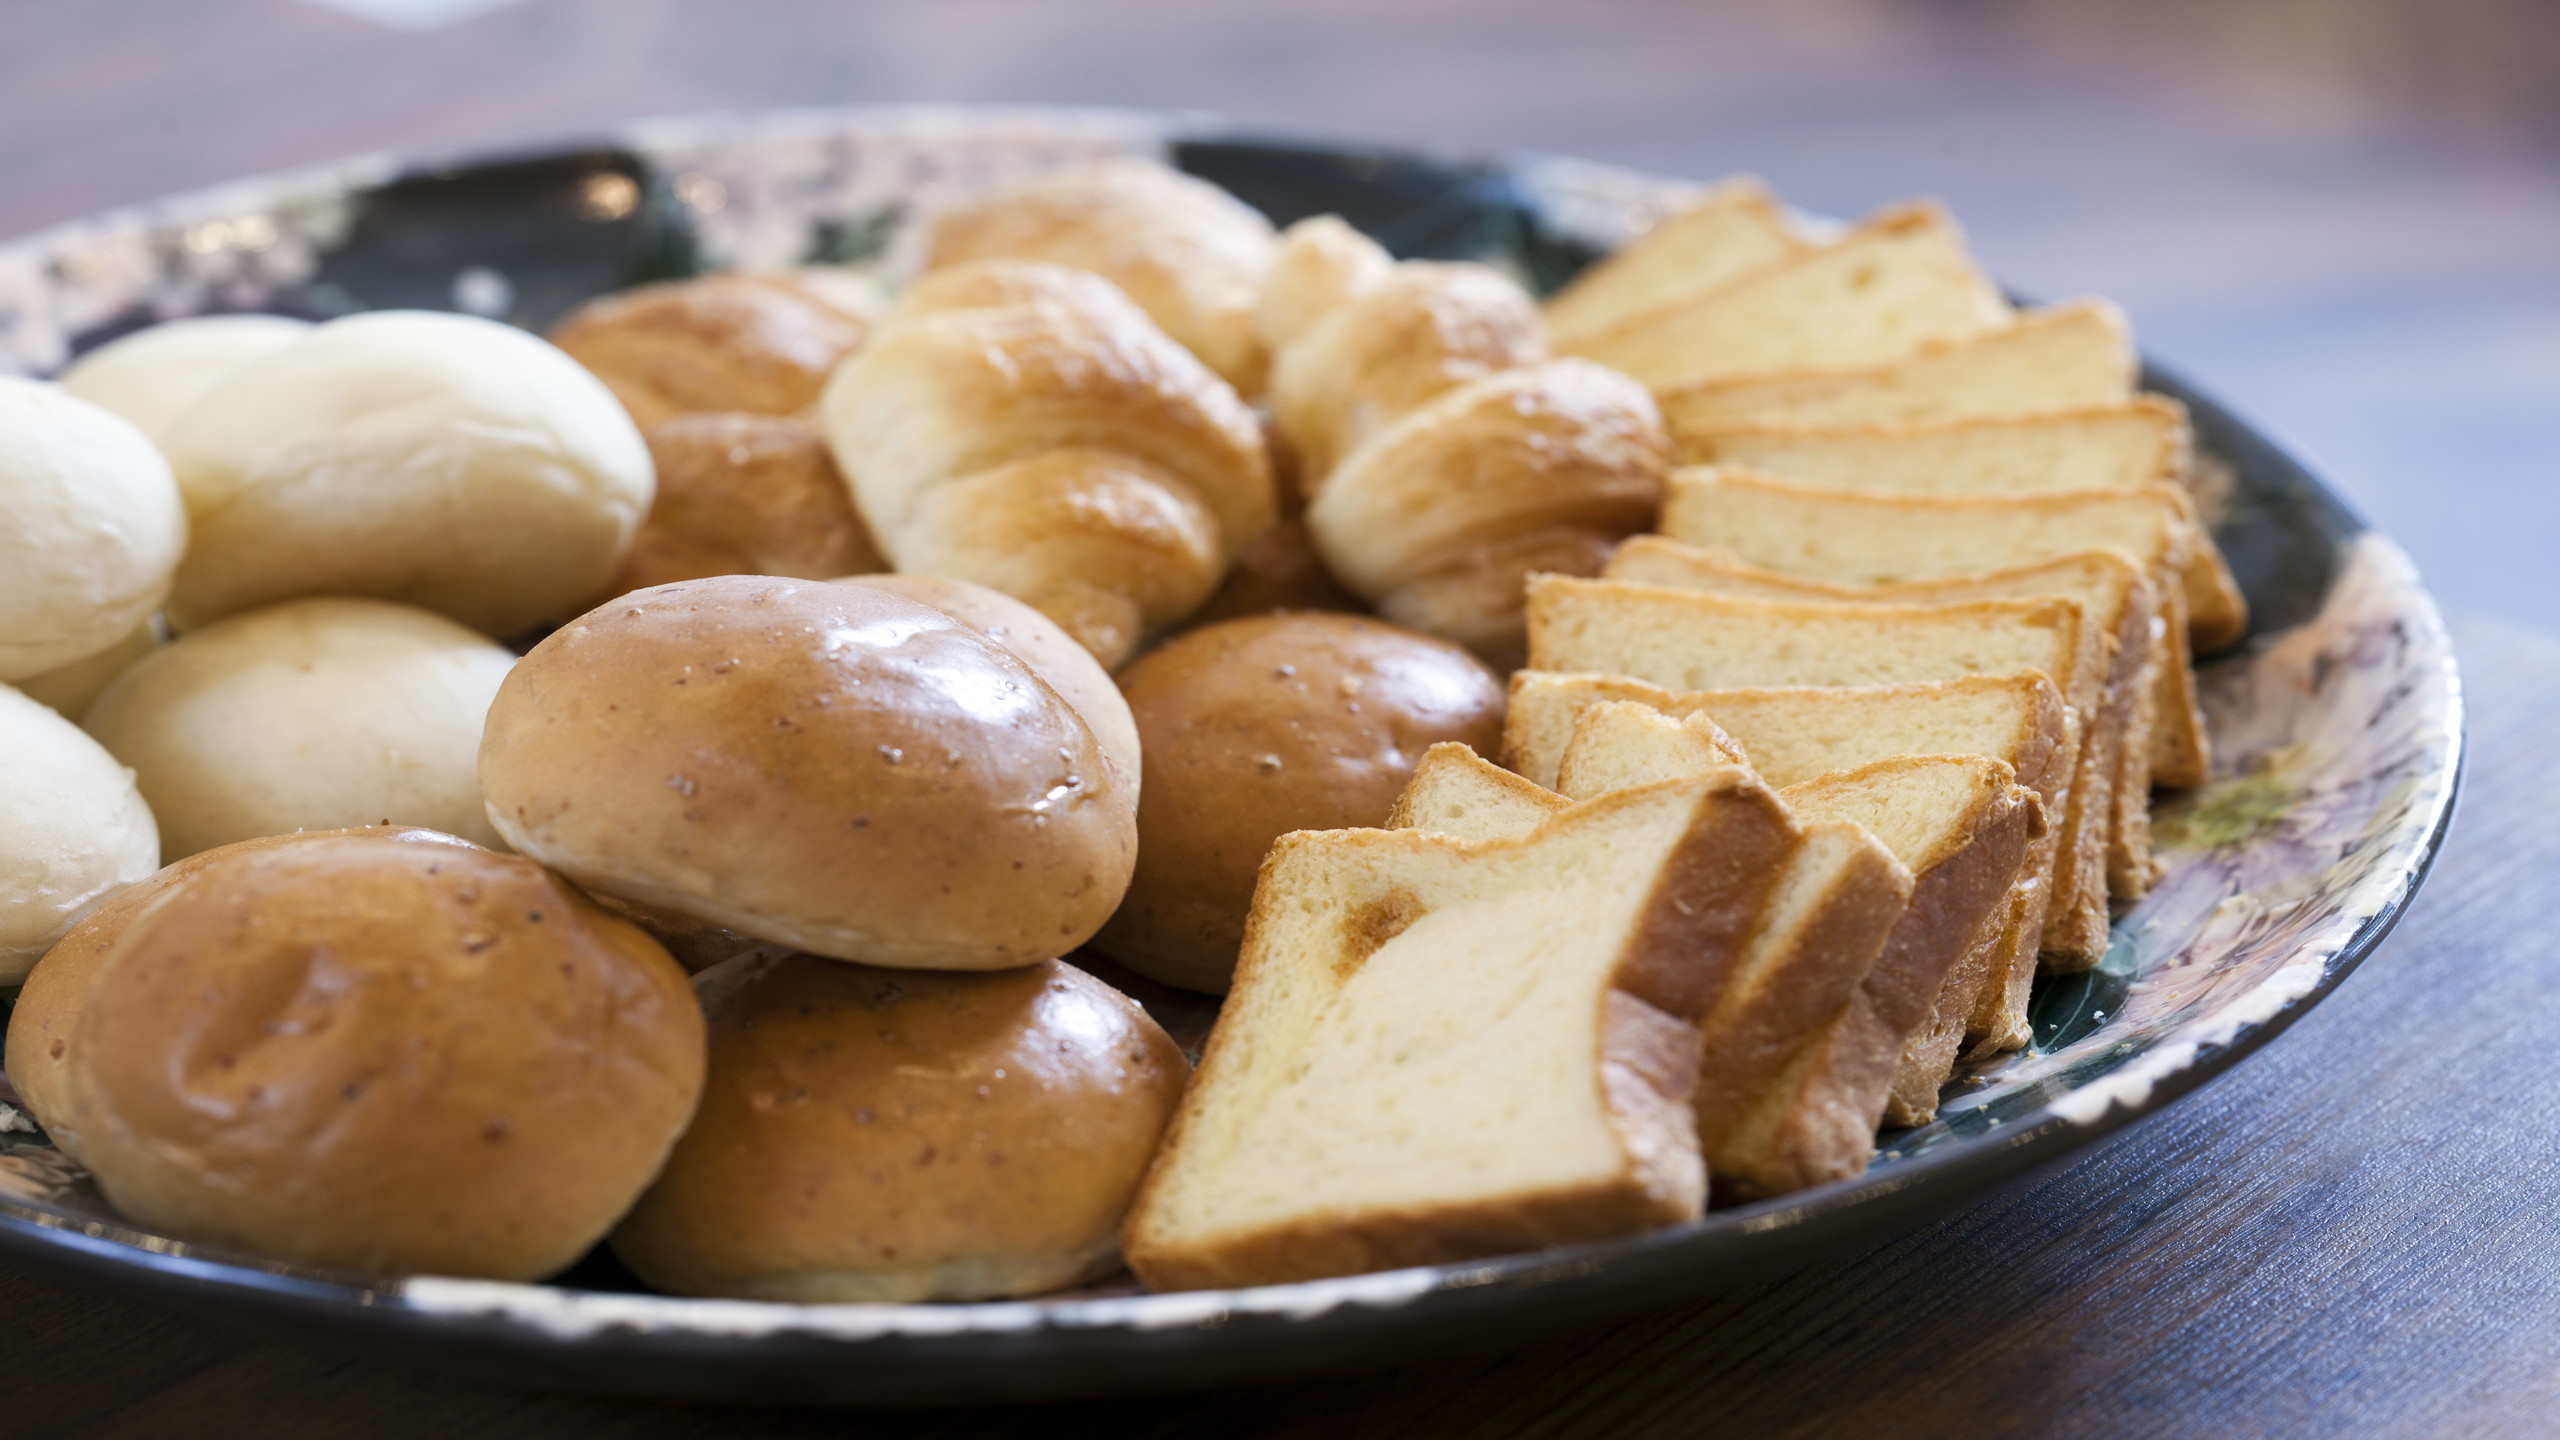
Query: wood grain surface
<point x="2352" y="1232"/>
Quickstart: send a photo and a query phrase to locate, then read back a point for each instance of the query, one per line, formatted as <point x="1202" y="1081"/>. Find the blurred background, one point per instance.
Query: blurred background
<point x="2342" y="215"/>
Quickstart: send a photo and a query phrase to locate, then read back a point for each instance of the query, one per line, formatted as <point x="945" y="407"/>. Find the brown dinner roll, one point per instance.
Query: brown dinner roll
<point x="354" y="1052"/>
<point x="1265" y="725"/>
<point x="43" y="1029"/>
<point x="1038" y="642"/>
<point x="742" y="494"/>
<point x="758" y="343"/>
<point x="829" y="767"/>
<point x="1278" y="571"/>
<point x="878" y="1135"/>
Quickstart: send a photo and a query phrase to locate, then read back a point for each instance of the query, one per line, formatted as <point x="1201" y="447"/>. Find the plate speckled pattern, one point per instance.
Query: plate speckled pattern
<point x="2337" y="727"/>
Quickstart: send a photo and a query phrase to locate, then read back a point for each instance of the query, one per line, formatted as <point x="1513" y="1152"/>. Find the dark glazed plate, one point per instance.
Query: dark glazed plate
<point x="2338" y="727"/>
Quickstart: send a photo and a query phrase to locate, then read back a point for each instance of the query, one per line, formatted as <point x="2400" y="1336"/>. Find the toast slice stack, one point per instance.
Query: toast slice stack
<point x="1734" y="229"/>
<point x="1694" y="640"/>
<point x="2063" y="357"/>
<point x="1800" y="735"/>
<point x="1869" y="537"/>
<point x="1439" y="1048"/>
<point x="2150" y="708"/>
<point x="1892" y="285"/>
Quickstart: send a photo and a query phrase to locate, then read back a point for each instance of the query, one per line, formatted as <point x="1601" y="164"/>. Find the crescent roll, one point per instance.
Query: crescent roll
<point x="1387" y="347"/>
<point x="1190" y="254"/>
<point x="1440" y="519"/>
<point x="1026" y="427"/>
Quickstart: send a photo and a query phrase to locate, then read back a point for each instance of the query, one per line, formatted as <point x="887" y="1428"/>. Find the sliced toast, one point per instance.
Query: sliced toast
<point x="2146" y="440"/>
<point x="1838" y="904"/>
<point x="1440" y="1049"/>
<point x="1854" y="535"/>
<point x="2123" y="602"/>
<point x="1896" y="283"/>
<point x="1967" y="831"/>
<point x="1736" y="228"/>
<point x="2061" y="357"/>
<point x="1796" y="735"/>
<point x="1695" y="640"/>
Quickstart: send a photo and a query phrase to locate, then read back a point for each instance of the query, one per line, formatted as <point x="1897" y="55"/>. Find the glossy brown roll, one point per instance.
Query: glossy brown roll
<point x="876" y="1135"/>
<point x="43" y="1029"/>
<point x="346" y="1050"/>
<point x="1265" y="725"/>
<point x="830" y="767"/>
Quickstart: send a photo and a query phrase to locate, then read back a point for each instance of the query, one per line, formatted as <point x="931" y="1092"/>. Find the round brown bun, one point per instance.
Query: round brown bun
<point x="743" y="494"/>
<point x="1038" y="642"/>
<point x="44" y="1028"/>
<point x="309" y="715"/>
<point x="383" y="1056"/>
<point x="829" y="767"/>
<point x="1260" y="726"/>
<point x="763" y="344"/>
<point x="73" y="829"/>
<point x="874" y="1135"/>
<point x="443" y="460"/>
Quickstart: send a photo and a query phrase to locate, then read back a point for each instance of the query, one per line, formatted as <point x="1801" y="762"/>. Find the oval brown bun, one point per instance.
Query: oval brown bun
<point x="875" y="1135"/>
<point x="1038" y="642"/>
<point x="742" y="494"/>
<point x="829" y="767"/>
<point x="383" y="1056"/>
<point x="763" y="344"/>
<point x="44" y="1028"/>
<point x="1265" y="725"/>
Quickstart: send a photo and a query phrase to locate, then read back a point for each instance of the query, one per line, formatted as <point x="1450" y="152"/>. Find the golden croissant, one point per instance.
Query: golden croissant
<point x="1026" y="427"/>
<point x="1190" y="254"/>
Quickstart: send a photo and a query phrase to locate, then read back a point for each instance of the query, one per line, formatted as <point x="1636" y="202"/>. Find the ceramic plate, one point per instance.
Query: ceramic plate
<point x="2337" y="729"/>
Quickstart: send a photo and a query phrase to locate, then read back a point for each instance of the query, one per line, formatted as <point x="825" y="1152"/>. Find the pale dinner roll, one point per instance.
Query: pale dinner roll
<point x="151" y="376"/>
<point x="309" y="715"/>
<point x="1257" y="727"/>
<point x="71" y="689"/>
<point x="830" y="767"/>
<point x="875" y="1135"/>
<point x="73" y="829"/>
<point x="44" y="1025"/>
<point x="348" y="1051"/>
<point x="758" y="344"/>
<point x="91" y="528"/>
<point x="441" y="460"/>
<point x="1038" y="642"/>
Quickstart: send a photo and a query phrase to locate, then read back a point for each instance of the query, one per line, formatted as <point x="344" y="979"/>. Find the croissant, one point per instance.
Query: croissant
<point x="1026" y="427"/>
<point x="1440" y="519"/>
<point x="1388" y="344"/>
<point x="1190" y="254"/>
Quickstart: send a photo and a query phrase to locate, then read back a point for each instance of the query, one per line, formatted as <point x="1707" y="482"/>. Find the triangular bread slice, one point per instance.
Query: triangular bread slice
<point x="1440" y="1049"/>
<point x="1795" y="735"/>
<point x="1892" y="285"/>
<point x="2144" y="440"/>
<point x="2046" y="520"/>
<point x="1737" y="227"/>
<point x="2121" y="599"/>
<point x="1695" y="640"/>
<point x="1837" y="906"/>
<point x="2061" y="357"/>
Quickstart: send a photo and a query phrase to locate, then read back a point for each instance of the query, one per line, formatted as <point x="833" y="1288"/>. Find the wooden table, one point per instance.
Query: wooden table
<point x="2354" y="1232"/>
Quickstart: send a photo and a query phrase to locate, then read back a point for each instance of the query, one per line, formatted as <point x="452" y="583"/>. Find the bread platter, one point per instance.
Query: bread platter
<point x="2333" y="717"/>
